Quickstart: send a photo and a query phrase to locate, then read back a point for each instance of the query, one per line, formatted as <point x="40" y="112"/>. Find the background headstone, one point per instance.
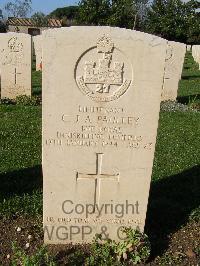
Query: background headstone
<point x="173" y="70"/>
<point x="37" y="41"/>
<point x="196" y="53"/>
<point x="15" y="64"/>
<point x="101" y="100"/>
<point x="189" y="47"/>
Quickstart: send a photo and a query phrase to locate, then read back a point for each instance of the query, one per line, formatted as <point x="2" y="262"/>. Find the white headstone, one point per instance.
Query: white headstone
<point x="37" y="41"/>
<point x="196" y="53"/>
<point x="15" y="64"/>
<point x="101" y="100"/>
<point x="173" y="70"/>
<point x="189" y="47"/>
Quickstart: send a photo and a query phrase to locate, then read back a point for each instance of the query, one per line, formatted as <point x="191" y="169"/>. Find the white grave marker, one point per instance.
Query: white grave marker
<point x="15" y="65"/>
<point x="173" y="70"/>
<point x="101" y="100"/>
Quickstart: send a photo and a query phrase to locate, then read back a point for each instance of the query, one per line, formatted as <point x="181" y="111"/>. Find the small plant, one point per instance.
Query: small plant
<point x="27" y="100"/>
<point x="197" y="250"/>
<point x="41" y="257"/>
<point x="135" y="249"/>
<point x="195" y="215"/>
<point x="76" y="258"/>
<point x="193" y="102"/>
<point x="102" y="252"/>
<point x="195" y="106"/>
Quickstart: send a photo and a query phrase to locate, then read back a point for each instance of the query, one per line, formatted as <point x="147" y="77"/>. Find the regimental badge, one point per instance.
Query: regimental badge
<point x="14" y="45"/>
<point x="103" y="80"/>
<point x="14" y="53"/>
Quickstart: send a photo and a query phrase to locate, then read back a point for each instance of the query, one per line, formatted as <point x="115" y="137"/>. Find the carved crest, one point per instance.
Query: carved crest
<point x="14" y="45"/>
<point x="106" y="75"/>
<point x="14" y="53"/>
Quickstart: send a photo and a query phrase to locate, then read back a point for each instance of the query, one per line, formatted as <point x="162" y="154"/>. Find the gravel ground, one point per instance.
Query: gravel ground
<point x="173" y="106"/>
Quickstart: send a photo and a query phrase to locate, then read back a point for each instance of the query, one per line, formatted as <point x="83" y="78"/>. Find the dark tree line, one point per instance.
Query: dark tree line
<point x="174" y="20"/>
<point x="170" y="19"/>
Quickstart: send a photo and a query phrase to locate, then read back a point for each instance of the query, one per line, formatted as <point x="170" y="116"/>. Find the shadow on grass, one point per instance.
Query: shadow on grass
<point x="190" y="77"/>
<point x="188" y="99"/>
<point x="171" y="202"/>
<point x="20" y="181"/>
<point x="187" y="67"/>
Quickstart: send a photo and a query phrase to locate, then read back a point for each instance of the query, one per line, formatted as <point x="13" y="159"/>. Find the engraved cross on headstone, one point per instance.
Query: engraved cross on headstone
<point x="16" y="73"/>
<point x="97" y="177"/>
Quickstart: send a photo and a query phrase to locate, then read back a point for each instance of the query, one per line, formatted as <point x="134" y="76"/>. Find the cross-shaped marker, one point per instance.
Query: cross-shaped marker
<point x="97" y="177"/>
<point x="16" y="73"/>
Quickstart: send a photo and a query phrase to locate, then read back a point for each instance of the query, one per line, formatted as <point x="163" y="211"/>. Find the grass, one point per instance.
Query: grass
<point x="20" y="137"/>
<point x="40" y="258"/>
<point x="36" y="80"/>
<point x="177" y="146"/>
<point x="20" y="168"/>
<point x="175" y="190"/>
<point x="189" y="86"/>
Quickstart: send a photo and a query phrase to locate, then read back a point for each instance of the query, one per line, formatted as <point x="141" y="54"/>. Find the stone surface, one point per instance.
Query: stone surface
<point x="15" y="64"/>
<point x="101" y="100"/>
<point x="173" y="70"/>
<point x="196" y="53"/>
<point x="37" y="42"/>
<point x="189" y="47"/>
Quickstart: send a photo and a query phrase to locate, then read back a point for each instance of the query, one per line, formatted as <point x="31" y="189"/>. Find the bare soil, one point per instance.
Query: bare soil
<point x="183" y="246"/>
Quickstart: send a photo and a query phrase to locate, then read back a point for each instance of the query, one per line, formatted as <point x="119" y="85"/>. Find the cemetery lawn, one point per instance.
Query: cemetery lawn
<point x="173" y="217"/>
